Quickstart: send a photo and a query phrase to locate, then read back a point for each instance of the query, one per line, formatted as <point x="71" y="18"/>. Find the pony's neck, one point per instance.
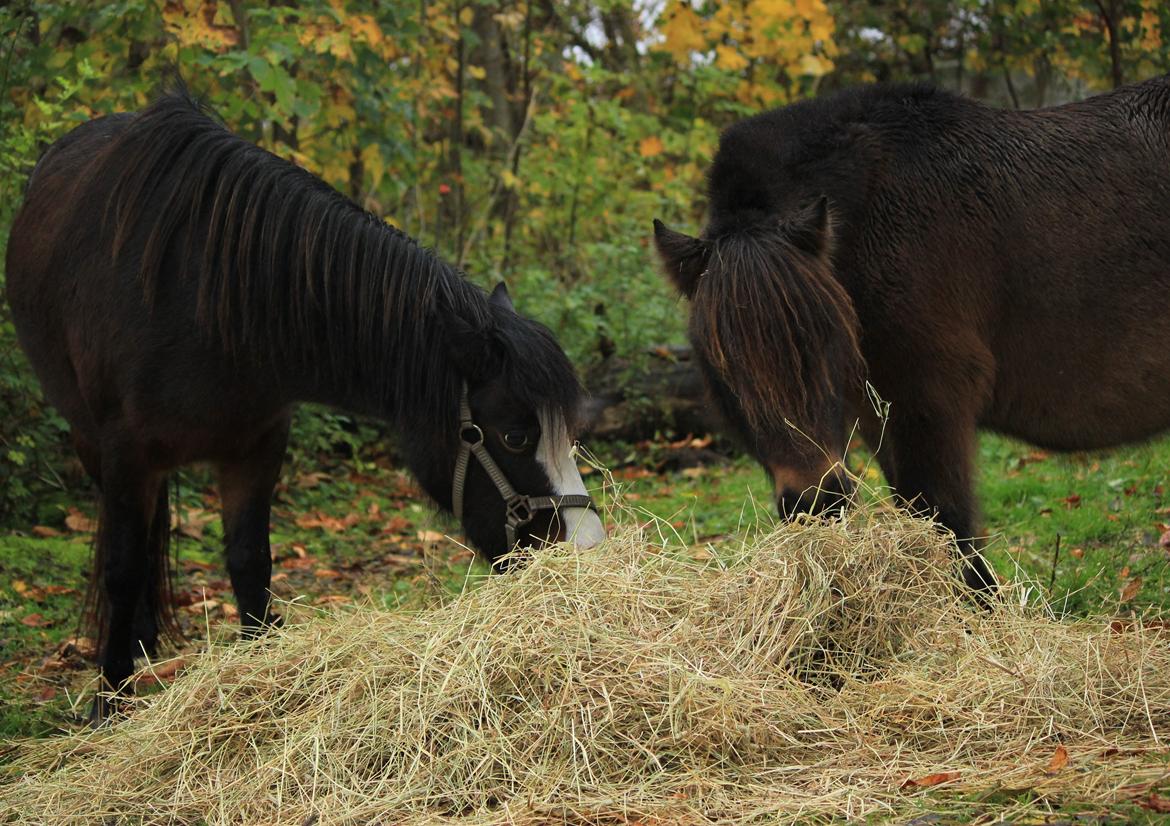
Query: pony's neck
<point x="379" y="314"/>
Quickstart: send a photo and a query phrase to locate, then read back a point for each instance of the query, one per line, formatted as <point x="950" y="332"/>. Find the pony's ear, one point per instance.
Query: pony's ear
<point x="500" y="297"/>
<point x="811" y="228"/>
<point x="684" y="258"/>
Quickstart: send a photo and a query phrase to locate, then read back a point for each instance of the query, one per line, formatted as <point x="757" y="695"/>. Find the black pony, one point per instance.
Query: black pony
<point x="970" y="266"/>
<point x="177" y="289"/>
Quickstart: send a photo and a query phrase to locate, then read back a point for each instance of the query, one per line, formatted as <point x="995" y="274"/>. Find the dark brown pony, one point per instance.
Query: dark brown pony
<point x="178" y="289"/>
<point x="971" y="267"/>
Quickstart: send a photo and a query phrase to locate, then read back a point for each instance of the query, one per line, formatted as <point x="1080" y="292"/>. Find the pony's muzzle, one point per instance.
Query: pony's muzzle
<point x="833" y="492"/>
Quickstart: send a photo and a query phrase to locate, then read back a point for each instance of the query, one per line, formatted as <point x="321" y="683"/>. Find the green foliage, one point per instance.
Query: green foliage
<point x="523" y="141"/>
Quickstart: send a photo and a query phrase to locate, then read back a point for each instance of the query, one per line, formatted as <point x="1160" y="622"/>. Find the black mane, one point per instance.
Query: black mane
<point x="291" y="273"/>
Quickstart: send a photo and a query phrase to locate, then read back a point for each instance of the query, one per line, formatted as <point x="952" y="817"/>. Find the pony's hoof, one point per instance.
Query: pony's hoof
<point x="254" y="631"/>
<point x="105" y="707"/>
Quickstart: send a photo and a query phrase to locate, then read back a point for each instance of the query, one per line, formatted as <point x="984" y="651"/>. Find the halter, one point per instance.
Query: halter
<point x="519" y="509"/>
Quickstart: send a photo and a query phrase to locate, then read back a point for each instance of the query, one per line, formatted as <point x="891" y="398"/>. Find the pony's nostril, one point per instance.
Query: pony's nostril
<point x="814" y="501"/>
<point x="792" y="502"/>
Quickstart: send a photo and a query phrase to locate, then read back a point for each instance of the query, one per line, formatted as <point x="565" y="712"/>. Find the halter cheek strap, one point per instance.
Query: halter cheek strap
<point x="519" y="509"/>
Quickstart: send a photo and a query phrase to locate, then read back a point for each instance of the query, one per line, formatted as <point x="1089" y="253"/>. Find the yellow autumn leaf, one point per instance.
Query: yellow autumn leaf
<point x="814" y="66"/>
<point x="651" y="146"/>
<point x="340" y="48"/>
<point x="809" y="9"/>
<point x="477" y="72"/>
<point x="509" y="180"/>
<point x="728" y="58"/>
<point x="769" y="11"/>
<point x="683" y="31"/>
<point x="821" y="28"/>
<point x="373" y="163"/>
<point x="367" y="28"/>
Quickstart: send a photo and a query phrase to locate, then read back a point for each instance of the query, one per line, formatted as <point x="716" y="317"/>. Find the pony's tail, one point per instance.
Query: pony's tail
<point x="154" y="617"/>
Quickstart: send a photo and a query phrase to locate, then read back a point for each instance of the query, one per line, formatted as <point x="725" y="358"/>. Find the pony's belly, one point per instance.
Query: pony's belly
<point x="1073" y="412"/>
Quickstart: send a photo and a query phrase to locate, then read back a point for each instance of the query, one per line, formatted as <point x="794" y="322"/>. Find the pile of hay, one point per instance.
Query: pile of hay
<point x="825" y="670"/>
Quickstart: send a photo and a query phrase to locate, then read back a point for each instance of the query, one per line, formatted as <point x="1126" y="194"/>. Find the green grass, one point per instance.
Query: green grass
<point x="1107" y="511"/>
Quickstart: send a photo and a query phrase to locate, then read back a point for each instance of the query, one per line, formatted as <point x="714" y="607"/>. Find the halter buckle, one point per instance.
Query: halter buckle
<point x="470" y="434"/>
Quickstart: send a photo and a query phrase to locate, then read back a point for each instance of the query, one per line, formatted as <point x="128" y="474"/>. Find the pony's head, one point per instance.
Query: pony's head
<point x="775" y="335"/>
<point x="515" y="482"/>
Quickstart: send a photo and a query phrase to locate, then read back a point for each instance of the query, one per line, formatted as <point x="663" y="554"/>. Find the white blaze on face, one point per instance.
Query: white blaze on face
<point x="555" y="453"/>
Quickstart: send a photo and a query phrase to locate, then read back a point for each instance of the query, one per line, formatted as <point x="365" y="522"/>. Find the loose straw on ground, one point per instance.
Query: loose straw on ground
<point x="823" y="670"/>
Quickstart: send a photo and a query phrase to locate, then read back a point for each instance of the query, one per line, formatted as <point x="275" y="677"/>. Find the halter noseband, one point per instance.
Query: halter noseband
<point x="519" y="509"/>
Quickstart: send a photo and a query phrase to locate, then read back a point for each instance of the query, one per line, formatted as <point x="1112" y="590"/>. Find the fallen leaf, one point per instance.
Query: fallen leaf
<point x="1072" y="502"/>
<point x="1078" y="553"/>
<point x="310" y="480"/>
<point x="693" y="472"/>
<point x="78" y="522"/>
<point x="36" y="621"/>
<point x="930" y="780"/>
<point x="430" y="536"/>
<point x="83" y="647"/>
<point x="203" y="606"/>
<point x="1131" y="589"/>
<point x="59" y="589"/>
<point x="329" y="599"/>
<point x="20" y="586"/>
<point x="167" y="670"/>
<point x="230" y="611"/>
<point x="397" y="524"/>
<point x="1165" y="540"/>
<point x="45" y="532"/>
<point x="326" y="522"/>
<point x="1059" y="760"/>
<point x="1156" y="803"/>
<point x="326" y="573"/>
<point x="192" y="522"/>
<point x="49" y="692"/>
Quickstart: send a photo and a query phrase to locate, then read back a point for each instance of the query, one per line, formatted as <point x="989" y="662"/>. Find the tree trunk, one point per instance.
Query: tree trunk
<point x="666" y="398"/>
<point x="1109" y="14"/>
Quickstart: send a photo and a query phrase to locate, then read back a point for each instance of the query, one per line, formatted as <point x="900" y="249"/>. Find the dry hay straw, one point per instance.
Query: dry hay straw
<point x="808" y="674"/>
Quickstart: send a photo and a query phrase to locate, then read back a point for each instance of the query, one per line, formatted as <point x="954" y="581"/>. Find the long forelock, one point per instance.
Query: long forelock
<point x="776" y="327"/>
<point x="536" y="370"/>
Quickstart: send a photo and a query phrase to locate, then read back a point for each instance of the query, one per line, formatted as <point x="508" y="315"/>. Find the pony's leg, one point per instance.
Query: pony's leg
<point x="245" y="486"/>
<point x="129" y="496"/>
<point x="931" y="465"/>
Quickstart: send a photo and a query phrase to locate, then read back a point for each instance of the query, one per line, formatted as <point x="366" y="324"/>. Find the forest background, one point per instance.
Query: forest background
<point x="526" y="141"/>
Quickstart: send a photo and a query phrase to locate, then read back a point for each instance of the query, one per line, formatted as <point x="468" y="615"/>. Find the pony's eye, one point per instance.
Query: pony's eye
<point x="516" y="440"/>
